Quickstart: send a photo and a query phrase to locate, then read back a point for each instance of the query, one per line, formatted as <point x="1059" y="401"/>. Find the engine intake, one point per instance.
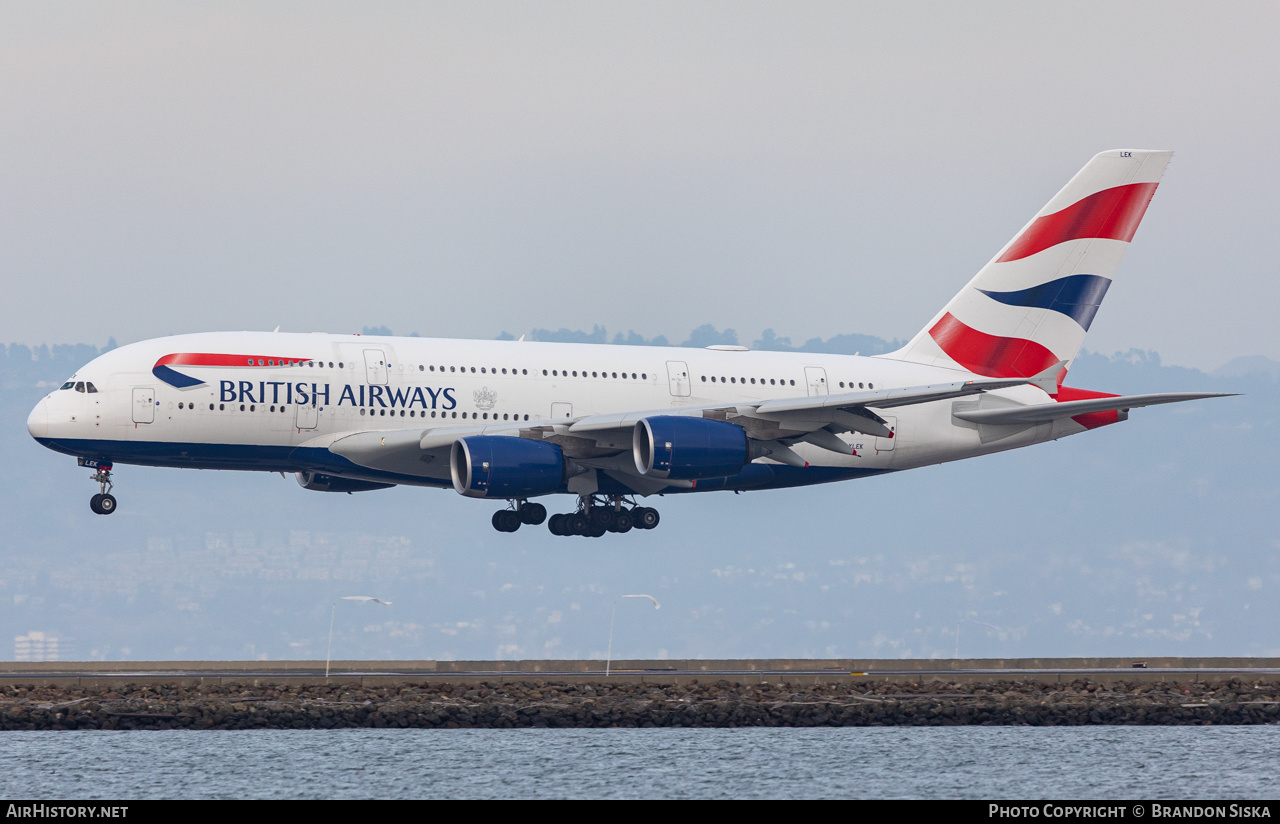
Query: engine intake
<point x="504" y="466"/>
<point x="319" y="482"/>
<point x="669" y="446"/>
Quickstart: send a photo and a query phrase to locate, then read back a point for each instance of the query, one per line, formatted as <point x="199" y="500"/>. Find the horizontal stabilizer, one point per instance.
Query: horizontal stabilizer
<point x="1041" y="412"/>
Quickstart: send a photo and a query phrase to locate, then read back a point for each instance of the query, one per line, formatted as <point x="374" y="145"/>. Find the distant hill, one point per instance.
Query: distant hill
<point x="1249" y="365"/>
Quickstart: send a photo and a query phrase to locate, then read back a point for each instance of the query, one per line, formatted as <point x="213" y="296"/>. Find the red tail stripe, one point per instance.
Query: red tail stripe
<point x="990" y="355"/>
<point x="1112" y="213"/>
<point x="1089" y="420"/>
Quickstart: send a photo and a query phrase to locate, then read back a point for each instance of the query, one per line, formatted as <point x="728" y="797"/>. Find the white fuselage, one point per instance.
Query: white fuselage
<point x="278" y="401"/>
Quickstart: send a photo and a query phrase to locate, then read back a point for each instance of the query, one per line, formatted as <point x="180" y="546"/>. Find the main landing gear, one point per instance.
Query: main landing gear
<point x="596" y="516"/>
<point x="509" y="520"/>
<point x="104" y="503"/>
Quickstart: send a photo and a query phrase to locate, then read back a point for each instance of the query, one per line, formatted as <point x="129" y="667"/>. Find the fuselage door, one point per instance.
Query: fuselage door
<point x="560" y="411"/>
<point x="816" y="378"/>
<point x="375" y="367"/>
<point x="144" y="404"/>
<point x="308" y="415"/>
<point x="678" y="378"/>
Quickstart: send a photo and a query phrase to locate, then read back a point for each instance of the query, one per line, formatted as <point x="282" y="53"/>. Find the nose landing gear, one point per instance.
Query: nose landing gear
<point x="104" y="503"/>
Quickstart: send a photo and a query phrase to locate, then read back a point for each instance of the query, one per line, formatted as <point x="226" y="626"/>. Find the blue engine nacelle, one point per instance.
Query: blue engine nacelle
<point x="319" y="482"/>
<point x="503" y="466"/>
<point x="669" y="446"/>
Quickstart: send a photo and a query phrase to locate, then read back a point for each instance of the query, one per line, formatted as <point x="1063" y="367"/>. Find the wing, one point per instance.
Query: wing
<point x="605" y="441"/>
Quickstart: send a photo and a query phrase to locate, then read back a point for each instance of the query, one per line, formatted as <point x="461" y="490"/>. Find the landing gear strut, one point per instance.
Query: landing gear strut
<point x="509" y="520"/>
<point x="597" y="515"/>
<point x="104" y="503"/>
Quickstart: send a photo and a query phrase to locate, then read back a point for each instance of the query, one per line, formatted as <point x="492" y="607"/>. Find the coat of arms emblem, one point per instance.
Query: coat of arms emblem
<point x="485" y="398"/>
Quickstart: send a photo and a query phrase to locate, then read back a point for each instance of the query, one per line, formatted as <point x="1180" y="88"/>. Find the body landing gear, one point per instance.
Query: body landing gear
<point x="596" y="517"/>
<point x="104" y="503"/>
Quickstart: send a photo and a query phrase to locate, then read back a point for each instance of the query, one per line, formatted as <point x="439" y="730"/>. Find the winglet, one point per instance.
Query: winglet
<point x="1049" y="379"/>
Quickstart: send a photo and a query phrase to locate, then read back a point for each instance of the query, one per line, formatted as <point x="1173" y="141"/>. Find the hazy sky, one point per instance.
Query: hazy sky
<point x="462" y="169"/>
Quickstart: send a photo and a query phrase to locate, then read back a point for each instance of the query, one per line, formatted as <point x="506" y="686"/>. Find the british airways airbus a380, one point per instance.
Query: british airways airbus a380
<point x="512" y="421"/>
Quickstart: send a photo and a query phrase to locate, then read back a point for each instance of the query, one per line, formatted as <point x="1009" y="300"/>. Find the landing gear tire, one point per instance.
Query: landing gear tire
<point x="577" y="524"/>
<point x="506" y="520"/>
<point x="596" y="531"/>
<point x="104" y="503"/>
<point x="622" y="522"/>
<point x="645" y="517"/>
<point x="555" y="525"/>
<point x="533" y="514"/>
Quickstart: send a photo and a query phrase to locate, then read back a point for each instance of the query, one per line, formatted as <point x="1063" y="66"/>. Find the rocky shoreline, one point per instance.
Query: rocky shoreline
<point x="537" y="703"/>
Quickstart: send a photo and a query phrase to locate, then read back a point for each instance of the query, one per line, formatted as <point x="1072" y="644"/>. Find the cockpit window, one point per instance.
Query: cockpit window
<point x="90" y="388"/>
<point x="67" y="385"/>
<point x="79" y="386"/>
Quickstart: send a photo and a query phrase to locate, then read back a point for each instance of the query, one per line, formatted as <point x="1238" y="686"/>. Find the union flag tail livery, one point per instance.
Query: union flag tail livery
<point x="1029" y="308"/>
<point x="511" y="421"/>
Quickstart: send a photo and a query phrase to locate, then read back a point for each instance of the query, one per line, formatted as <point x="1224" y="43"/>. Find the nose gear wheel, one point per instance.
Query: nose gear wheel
<point x="104" y="503"/>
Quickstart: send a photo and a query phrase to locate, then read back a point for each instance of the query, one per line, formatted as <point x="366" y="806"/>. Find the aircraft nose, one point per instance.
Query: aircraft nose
<point x="38" y="421"/>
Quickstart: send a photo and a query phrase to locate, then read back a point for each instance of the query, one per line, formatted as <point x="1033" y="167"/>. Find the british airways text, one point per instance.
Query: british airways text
<point x="406" y="397"/>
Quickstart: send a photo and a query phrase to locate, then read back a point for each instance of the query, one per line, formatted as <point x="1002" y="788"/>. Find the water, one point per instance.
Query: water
<point x="957" y="762"/>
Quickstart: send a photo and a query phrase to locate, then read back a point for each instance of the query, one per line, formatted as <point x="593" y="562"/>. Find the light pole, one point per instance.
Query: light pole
<point x="329" y="652"/>
<point x="967" y="621"/>
<point x="609" y="659"/>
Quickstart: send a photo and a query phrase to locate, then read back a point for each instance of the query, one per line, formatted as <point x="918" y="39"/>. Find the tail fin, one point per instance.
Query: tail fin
<point x="1030" y="307"/>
